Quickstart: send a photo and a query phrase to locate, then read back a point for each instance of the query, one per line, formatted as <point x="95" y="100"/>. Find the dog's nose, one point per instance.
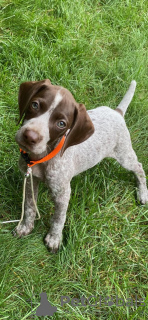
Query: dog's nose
<point x="31" y="137"/>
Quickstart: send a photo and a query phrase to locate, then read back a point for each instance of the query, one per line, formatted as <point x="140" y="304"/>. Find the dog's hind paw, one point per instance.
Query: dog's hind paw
<point x="143" y="196"/>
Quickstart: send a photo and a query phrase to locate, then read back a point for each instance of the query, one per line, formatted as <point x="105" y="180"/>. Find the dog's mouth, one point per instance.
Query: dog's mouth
<point x="35" y="149"/>
<point x="24" y="148"/>
<point x="22" y="145"/>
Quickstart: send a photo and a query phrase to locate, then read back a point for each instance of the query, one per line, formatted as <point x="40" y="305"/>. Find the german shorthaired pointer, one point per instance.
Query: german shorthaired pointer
<point x="51" y="112"/>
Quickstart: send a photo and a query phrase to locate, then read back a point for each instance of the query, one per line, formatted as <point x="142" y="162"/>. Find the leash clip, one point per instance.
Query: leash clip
<point x="28" y="173"/>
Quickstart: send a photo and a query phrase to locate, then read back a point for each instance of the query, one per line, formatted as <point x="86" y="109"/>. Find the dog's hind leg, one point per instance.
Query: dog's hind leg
<point x="127" y="158"/>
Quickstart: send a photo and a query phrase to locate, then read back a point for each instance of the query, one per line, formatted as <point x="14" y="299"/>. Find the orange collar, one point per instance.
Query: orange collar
<point x="31" y="163"/>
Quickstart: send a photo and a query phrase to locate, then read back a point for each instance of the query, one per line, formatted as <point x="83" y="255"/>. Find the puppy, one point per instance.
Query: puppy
<point x="53" y="120"/>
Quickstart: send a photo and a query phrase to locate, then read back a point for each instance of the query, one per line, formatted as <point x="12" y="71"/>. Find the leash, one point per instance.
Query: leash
<point x="30" y="164"/>
<point x="27" y="175"/>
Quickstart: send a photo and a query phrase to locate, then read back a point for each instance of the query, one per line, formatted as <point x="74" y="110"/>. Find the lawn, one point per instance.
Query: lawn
<point x="93" y="48"/>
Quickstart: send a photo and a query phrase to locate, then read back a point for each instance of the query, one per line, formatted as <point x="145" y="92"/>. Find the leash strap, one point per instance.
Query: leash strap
<point x="27" y="175"/>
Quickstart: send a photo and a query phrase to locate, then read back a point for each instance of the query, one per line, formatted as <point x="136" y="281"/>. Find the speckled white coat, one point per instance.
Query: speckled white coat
<point x="110" y="139"/>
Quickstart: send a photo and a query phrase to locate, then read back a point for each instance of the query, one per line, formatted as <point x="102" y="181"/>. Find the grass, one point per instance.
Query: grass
<point x="94" y="48"/>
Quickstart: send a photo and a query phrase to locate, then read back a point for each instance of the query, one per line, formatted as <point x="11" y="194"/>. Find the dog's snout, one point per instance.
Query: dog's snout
<point x="31" y="137"/>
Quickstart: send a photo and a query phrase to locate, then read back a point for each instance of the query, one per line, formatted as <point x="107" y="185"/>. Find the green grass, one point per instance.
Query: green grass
<point x="94" y="48"/>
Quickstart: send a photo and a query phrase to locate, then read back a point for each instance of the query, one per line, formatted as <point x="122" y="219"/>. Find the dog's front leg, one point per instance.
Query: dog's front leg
<point x="26" y="226"/>
<point x="61" y="200"/>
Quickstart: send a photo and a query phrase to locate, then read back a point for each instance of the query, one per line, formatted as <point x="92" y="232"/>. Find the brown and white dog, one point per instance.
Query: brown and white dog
<point x="50" y="112"/>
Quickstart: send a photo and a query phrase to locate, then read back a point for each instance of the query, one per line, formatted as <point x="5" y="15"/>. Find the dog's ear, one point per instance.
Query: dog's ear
<point x="27" y="90"/>
<point x="82" y="128"/>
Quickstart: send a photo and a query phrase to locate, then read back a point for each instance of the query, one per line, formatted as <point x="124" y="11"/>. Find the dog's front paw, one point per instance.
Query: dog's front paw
<point x="23" y="229"/>
<point x="53" y="242"/>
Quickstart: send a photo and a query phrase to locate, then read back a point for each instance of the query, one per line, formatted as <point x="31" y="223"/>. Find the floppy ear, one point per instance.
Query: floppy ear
<point x="81" y="129"/>
<point x="26" y="91"/>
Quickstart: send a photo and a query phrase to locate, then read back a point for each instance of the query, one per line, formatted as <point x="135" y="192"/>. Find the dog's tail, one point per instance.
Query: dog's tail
<point x="123" y="105"/>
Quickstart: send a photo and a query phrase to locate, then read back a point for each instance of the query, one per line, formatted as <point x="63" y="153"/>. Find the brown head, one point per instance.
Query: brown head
<point x="48" y="112"/>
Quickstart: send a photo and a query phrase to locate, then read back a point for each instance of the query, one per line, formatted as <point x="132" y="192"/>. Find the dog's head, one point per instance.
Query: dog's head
<point x="48" y="112"/>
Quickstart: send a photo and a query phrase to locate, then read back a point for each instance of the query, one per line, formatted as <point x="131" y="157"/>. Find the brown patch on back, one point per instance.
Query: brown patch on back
<point x="119" y="111"/>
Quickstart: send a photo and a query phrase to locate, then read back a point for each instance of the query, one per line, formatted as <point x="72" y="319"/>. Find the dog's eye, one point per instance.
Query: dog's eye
<point x="35" y="105"/>
<point x="61" y="124"/>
